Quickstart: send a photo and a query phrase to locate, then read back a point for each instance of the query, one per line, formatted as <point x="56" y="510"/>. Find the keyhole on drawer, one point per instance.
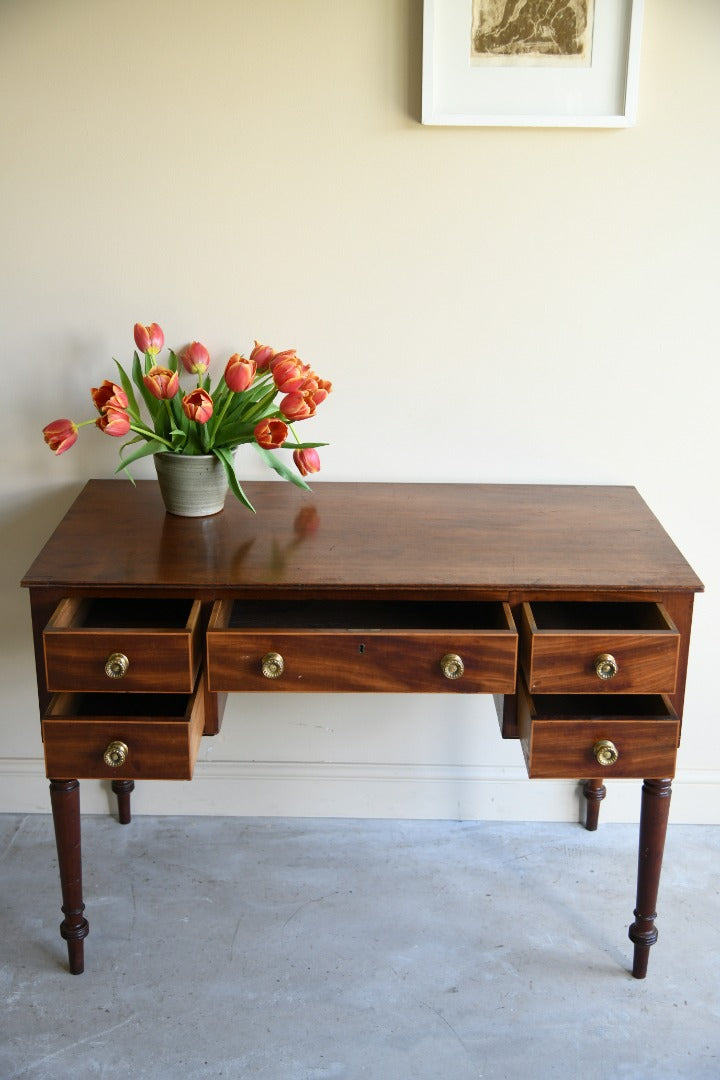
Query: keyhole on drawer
<point x="361" y="649"/>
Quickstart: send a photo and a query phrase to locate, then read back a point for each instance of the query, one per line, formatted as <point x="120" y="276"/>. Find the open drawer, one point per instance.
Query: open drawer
<point x="109" y="644"/>
<point x="574" y="647"/>
<point x="382" y="646"/>
<point x="122" y="737"/>
<point x="628" y="736"/>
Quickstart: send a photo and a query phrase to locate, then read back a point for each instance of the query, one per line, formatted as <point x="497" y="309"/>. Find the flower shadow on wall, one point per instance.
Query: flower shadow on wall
<point x="242" y="408"/>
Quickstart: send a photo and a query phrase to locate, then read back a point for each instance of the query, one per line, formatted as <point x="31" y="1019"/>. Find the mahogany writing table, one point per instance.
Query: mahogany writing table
<point x="570" y="604"/>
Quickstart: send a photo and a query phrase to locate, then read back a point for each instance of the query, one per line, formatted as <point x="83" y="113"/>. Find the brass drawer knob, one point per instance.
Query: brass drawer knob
<point x="116" y="754"/>
<point x="273" y="665"/>
<point x="452" y="665"/>
<point x="605" y="666"/>
<point x="116" y="665"/>
<point x="606" y="753"/>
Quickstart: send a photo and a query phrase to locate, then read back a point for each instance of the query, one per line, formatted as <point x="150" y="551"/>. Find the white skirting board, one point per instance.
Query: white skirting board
<point x="272" y="789"/>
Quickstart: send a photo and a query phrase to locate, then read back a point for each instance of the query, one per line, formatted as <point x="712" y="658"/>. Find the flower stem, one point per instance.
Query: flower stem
<point x="260" y="406"/>
<point x="221" y="415"/>
<point x="149" y="435"/>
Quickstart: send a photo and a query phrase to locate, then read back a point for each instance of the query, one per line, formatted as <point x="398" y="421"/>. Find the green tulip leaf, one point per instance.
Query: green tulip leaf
<point x="153" y="405"/>
<point x="126" y="384"/>
<point x="130" y="442"/>
<point x="281" y="468"/>
<point x="226" y="458"/>
<point x="151" y="447"/>
<point x="302" y="445"/>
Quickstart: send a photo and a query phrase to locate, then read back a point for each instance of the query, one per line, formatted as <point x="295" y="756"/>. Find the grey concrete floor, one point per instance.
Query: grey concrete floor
<point x="334" y="949"/>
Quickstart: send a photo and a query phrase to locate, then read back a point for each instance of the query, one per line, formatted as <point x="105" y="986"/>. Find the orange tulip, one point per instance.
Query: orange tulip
<point x="240" y="372"/>
<point x="195" y="358"/>
<point x="262" y="355"/>
<point x="315" y="390"/>
<point x="297" y="406"/>
<point x="114" y="422"/>
<point x="198" y="405"/>
<point x="270" y="434"/>
<point x="60" y="435"/>
<point x="307" y="461"/>
<point x="161" y="382"/>
<point x="149" y="339"/>
<point x="288" y="371"/>
<point x="108" y="396"/>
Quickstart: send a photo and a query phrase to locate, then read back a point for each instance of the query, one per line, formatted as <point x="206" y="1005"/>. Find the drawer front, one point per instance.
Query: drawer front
<point x="79" y="730"/>
<point x="561" y="746"/>
<point x="81" y="655"/>
<point x="380" y="660"/>
<point x="589" y="659"/>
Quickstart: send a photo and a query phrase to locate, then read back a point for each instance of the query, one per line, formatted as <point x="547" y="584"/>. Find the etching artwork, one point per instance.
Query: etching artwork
<point x="532" y="32"/>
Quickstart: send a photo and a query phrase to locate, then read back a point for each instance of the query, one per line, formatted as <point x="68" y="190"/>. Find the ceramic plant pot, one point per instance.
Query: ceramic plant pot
<point x="191" y="486"/>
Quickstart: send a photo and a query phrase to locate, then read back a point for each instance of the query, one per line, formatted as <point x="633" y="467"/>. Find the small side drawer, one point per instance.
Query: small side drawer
<point x="144" y="646"/>
<point x="160" y="734"/>
<point x="565" y="737"/>
<point x="376" y="646"/>
<point x="598" y="648"/>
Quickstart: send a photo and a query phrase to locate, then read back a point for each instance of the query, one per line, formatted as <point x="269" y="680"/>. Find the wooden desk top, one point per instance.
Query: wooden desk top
<point x="403" y="539"/>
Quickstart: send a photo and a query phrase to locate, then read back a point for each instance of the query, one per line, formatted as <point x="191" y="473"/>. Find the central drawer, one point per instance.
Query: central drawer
<point x="573" y="647"/>
<point x="380" y="646"/>
<point x="123" y="736"/>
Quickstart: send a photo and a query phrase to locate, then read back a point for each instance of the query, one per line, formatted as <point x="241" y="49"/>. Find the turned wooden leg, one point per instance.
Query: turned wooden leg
<point x="655" y="808"/>
<point x="123" y="790"/>
<point x="594" y="792"/>
<point x="65" y="802"/>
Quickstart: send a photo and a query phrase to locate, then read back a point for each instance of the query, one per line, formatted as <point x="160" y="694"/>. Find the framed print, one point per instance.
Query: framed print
<point x="531" y="63"/>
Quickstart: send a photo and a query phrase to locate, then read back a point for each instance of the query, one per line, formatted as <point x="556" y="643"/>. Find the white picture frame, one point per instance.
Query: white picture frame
<point x="504" y="92"/>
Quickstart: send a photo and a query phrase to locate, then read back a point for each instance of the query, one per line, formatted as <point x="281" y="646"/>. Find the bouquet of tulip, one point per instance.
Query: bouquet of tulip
<point x="242" y="408"/>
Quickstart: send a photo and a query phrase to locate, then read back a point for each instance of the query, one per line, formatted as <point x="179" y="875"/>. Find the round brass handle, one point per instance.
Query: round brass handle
<point x="606" y="753"/>
<point x="452" y="665"/>
<point x="605" y="666"/>
<point x="116" y="665"/>
<point x="273" y="665"/>
<point x="116" y="754"/>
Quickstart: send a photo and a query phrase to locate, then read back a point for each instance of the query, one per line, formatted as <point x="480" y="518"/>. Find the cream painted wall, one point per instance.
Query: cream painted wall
<point x="492" y="305"/>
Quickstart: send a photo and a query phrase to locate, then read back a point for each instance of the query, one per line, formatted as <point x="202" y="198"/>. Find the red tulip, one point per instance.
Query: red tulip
<point x="198" y="405"/>
<point x="270" y="434"/>
<point x="240" y="372"/>
<point x="307" y="461"/>
<point x="108" y="396"/>
<point x="195" y="358"/>
<point x="161" y="382"/>
<point x="60" y="435"/>
<point x="262" y="355"/>
<point x="149" y="339"/>
<point x="114" y="422"/>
